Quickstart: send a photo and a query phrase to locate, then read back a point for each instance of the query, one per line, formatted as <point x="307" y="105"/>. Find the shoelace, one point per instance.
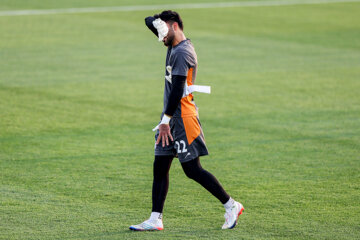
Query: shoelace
<point x="227" y="216"/>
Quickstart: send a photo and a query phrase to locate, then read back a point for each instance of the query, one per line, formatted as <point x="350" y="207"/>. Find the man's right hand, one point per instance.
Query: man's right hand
<point x="164" y="135"/>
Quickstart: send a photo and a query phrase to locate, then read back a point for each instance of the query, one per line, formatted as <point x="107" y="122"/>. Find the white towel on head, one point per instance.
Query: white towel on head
<point x="161" y="28"/>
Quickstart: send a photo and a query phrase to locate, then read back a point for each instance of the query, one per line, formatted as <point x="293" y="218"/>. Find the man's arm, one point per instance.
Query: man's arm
<point x="176" y="92"/>
<point x="149" y="23"/>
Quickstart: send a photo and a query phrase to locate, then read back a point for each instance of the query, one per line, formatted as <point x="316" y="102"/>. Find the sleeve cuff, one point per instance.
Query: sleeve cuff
<point x="165" y="119"/>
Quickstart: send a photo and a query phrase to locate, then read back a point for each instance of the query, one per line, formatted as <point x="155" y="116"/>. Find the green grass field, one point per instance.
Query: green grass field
<point x="80" y="93"/>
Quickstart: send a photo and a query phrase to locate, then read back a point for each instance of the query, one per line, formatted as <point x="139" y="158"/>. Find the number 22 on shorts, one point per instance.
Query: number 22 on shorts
<point x="180" y="146"/>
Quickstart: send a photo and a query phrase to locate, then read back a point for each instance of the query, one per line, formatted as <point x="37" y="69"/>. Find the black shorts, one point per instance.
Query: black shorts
<point x="189" y="141"/>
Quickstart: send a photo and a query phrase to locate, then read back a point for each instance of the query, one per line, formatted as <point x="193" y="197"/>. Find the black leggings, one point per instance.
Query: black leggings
<point x="193" y="170"/>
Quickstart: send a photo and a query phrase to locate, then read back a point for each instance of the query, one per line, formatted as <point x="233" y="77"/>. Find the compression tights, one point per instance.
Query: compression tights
<point x="193" y="170"/>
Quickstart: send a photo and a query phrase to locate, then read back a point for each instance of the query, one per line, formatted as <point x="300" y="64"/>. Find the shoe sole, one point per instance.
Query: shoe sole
<point x="241" y="211"/>
<point x="136" y="229"/>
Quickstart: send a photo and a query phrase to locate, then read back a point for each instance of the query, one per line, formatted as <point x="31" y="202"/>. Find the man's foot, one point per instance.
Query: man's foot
<point x="148" y="225"/>
<point x="232" y="215"/>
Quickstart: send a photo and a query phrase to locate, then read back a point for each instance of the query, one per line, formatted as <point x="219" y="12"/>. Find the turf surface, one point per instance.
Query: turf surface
<point x="80" y="93"/>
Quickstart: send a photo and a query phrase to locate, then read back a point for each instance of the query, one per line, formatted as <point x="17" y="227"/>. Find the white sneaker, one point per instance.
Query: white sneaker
<point x="148" y="225"/>
<point x="232" y="216"/>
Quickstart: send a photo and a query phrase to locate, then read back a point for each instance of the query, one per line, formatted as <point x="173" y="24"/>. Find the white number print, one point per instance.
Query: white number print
<point x="178" y="146"/>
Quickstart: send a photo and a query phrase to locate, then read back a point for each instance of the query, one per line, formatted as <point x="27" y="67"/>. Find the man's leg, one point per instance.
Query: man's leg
<point x="159" y="191"/>
<point x="194" y="170"/>
<point x="161" y="182"/>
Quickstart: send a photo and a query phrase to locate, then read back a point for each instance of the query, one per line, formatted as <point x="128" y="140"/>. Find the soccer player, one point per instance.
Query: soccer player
<point x="179" y="133"/>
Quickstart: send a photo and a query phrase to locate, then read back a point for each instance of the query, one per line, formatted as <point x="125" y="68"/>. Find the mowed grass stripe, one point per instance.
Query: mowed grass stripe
<point x="170" y="6"/>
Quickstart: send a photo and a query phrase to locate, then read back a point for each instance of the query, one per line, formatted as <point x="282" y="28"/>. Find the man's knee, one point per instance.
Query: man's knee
<point x="192" y="169"/>
<point x="189" y="173"/>
<point x="161" y="166"/>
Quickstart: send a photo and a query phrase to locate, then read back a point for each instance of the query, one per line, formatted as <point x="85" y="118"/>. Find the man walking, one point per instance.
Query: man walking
<point x="179" y="133"/>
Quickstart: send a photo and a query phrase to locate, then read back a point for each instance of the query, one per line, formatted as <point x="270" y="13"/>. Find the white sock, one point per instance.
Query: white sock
<point x="156" y="216"/>
<point x="228" y="205"/>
